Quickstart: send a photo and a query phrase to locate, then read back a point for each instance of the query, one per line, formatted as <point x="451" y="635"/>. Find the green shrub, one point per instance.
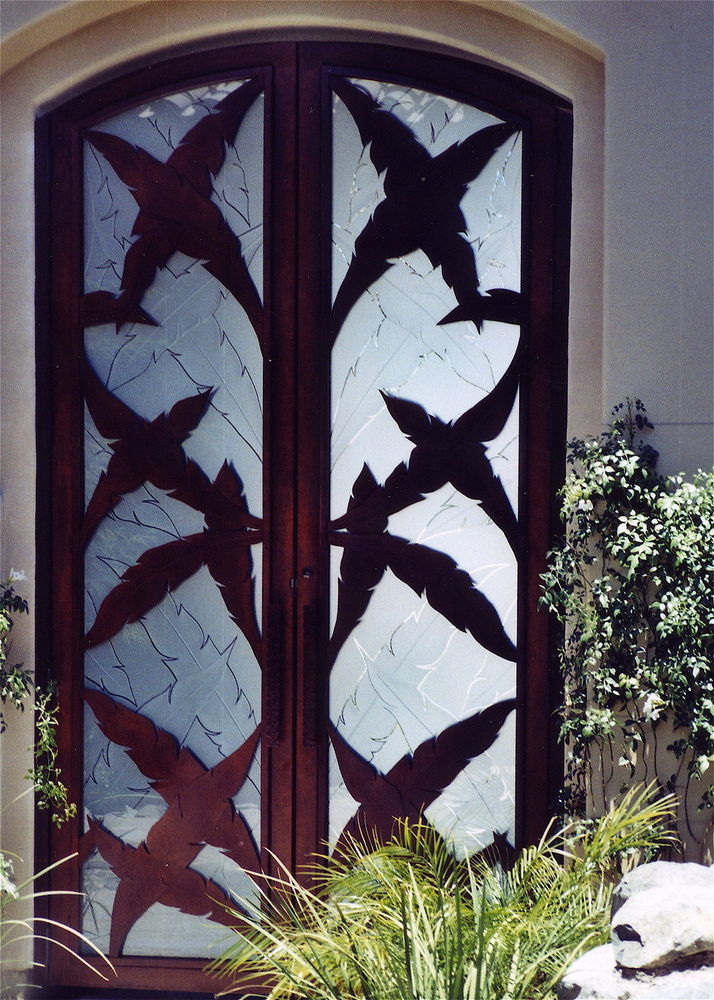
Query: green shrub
<point x="16" y="687"/>
<point x="409" y="921"/>
<point x="632" y="582"/>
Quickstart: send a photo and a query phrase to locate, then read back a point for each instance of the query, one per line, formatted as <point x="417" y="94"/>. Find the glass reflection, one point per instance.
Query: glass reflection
<point x="407" y="670"/>
<point x="185" y="364"/>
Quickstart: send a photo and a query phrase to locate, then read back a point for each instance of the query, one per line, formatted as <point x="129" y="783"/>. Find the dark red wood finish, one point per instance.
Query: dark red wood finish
<point x="296" y="366"/>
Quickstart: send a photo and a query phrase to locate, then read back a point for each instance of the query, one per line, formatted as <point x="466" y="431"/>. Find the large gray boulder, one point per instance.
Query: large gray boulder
<point x="677" y="879"/>
<point x="662" y="939"/>
<point x="657" y="926"/>
<point x="596" y="976"/>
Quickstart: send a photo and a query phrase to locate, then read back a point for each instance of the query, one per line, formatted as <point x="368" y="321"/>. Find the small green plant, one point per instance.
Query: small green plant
<point x="16" y="687"/>
<point x="16" y="927"/>
<point x="18" y="921"/>
<point x="632" y="581"/>
<point x="409" y="921"/>
<point x="15" y="681"/>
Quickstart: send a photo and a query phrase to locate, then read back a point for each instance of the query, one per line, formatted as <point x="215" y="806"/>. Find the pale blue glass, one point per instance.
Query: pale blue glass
<point x="185" y="664"/>
<point x="405" y="673"/>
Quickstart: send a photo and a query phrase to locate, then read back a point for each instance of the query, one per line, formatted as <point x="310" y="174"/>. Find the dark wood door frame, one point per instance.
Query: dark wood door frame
<point x="297" y="82"/>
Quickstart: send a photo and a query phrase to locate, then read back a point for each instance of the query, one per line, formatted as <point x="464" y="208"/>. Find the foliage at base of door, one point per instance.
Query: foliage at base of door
<point x="409" y="921"/>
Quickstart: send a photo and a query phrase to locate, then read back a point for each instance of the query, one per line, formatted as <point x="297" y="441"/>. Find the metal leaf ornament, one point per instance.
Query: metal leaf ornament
<point x="144" y="450"/>
<point x="145" y="878"/>
<point x="443" y="452"/>
<point x="430" y="573"/>
<point x="176" y="214"/>
<point x="417" y="779"/>
<point x="226" y="554"/>
<point x="199" y="811"/>
<point x="151" y="451"/>
<point x="420" y="211"/>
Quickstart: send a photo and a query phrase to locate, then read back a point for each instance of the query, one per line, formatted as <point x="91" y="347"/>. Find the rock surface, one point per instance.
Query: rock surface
<point x="654" y="927"/>
<point x="675" y="878"/>
<point x="596" y="976"/>
<point x="662" y="939"/>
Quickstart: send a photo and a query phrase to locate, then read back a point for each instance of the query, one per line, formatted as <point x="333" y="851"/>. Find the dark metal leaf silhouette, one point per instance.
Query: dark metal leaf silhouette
<point x="435" y="575"/>
<point x="454" y="453"/>
<point x="443" y="453"/>
<point x="375" y="517"/>
<point x="416" y="780"/>
<point x="358" y="575"/>
<point x="152" y="452"/>
<point x="155" y="752"/>
<point x="100" y="307"/>
<point x="222" y="502"/>
<point x="436" y="762"/>
<point x="226" y="508"/>
<point x="162" y="569"/>
<point x="449" y="590"/>
<point x="199" y="811"/>
<point x="176" y="212"/>
<point x="146" y="878"/>
<point x="171" y="769"/>
<point x="228" y="555"/>
<point x="421" y="210"/>
<point x="487" y="418"/>
<point x="230" y="564"/>
<point x="145" y="585"/>
<point x="144" y="451"/>
<point x="372" y="503"/>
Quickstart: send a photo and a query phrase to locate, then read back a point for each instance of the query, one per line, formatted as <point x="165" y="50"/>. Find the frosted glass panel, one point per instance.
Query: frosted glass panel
<point x="424" y="462"/>
<point x="172" y="376"/>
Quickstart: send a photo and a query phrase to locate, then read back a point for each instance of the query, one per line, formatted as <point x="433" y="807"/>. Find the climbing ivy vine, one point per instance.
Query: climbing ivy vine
<point x="16" y="687"/>
<point x="631" y="580"/>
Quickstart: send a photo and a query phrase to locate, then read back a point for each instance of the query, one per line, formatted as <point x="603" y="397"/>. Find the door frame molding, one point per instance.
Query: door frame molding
<point x="59" y="379"/>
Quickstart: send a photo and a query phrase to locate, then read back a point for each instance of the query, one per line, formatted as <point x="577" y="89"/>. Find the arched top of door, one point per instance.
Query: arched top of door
<point x="136" y="32"/>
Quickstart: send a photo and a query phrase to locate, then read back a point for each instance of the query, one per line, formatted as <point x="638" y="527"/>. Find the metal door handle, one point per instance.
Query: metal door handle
<point x="274" y="677"/>
<point x="310" y="675"/>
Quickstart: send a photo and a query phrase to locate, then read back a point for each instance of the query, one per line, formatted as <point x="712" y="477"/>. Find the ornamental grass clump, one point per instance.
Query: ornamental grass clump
<point x="19" y="925"/>
<point x="410" y="921"/>
<point x="22" y="929"/>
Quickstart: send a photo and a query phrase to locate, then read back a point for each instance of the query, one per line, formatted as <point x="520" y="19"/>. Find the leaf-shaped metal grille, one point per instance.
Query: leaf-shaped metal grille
<point x="173" y="387"/>
<point x="424" y="534"/>
<point x="425" y="375"/>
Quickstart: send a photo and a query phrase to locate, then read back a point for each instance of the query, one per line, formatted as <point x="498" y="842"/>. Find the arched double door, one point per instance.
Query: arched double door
<point x="305" y="344"/>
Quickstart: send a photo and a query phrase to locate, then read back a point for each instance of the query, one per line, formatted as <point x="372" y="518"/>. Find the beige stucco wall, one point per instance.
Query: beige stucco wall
<point x="637" y="74"/>
<point x="658" y="305"/>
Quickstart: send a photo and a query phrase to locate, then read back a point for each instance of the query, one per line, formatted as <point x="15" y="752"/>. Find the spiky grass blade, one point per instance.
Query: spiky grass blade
<point x="408" y="921"/>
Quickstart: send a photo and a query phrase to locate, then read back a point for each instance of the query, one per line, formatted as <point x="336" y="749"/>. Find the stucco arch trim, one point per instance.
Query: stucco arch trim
<point x="426" y="22"/>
